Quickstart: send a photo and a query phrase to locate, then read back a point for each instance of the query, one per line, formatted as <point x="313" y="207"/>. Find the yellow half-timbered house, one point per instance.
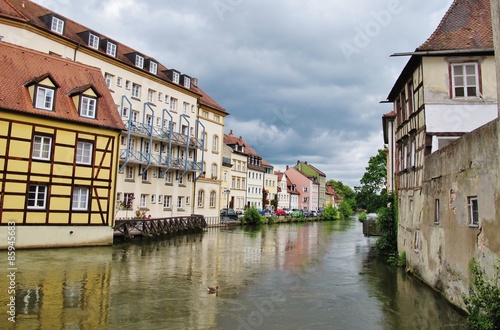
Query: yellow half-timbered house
<point x="59" y="136"/>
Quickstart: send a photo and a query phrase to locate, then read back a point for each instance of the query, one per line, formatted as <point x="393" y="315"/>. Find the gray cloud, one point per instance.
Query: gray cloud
<point x="307" y="75"/>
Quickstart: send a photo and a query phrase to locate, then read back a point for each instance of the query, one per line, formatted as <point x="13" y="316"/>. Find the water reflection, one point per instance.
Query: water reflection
<point x="301" y="276"/>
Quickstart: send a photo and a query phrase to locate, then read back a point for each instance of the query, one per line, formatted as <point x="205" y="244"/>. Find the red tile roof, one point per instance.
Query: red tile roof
<point x="466" y="25"/>
<point x="31" y="13"/>
<point x="21" y="65"/>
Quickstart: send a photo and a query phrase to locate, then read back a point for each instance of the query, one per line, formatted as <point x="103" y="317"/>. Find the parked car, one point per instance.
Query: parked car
<point x="297" y="213"/>
<point x="228" y="214"/>
<point x="240" y="214"/>
<point x="279" y="212"/>
<point x="313" y="213"/>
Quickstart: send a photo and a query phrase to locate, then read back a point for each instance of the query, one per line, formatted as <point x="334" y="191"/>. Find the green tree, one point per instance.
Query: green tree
<point x="330" y="213"/>
<point x="274" y="202"/>
<point x="345" y="210"/>
<point x="264" y="198"/>
<point x="348" y="195"/>
<point x="387" y="223"/>
<point x="371" y="195"/>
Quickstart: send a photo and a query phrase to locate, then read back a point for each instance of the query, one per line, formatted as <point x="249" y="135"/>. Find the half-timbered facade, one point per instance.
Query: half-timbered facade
<point x="173" y="130"/>
<point x="59" y="134"/>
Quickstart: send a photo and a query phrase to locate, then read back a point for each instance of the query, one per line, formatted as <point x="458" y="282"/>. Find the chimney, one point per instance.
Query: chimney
<point x="194" y="81"/>
<point x="287" y="167"/>
<point x="231" y="132"/>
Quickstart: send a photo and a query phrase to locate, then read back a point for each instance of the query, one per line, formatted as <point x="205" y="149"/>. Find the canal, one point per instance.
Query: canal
<point x="320" y="275"/>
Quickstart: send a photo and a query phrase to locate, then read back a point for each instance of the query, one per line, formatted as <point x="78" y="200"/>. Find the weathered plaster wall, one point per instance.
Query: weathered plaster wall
<point x="467" y="167"/>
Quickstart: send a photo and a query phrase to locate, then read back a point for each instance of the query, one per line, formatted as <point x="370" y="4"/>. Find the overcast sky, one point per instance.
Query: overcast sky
<point x="301" y="79"/>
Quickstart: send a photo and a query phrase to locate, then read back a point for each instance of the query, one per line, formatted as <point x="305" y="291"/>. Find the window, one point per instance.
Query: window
<point x="128" y="200"/>
<point x="465" y="80"/>
<point x="80" y="198"/>
<point x="160" y="199"/>
<point x="188" y="200"/>
<point x="187" y="82"/>
<point x="192" y="108"/>
<point x="416" y="241"/>
<point x="42" y="147"/>
<point x="436" y="211"/>
<point x="167" y="201"/>
<point x="44" y="98"/>
<point x="405" y="157"/>
<point x="201" y="196"/>
<point x="214" y="171"/>
<point x="179" y="201"/>
<point x="125" y="112"/>
<point x="185" y="107"/>
<point x="168" y="178"/>
<point x="88" y="107"/>
<point x="160" y="97"/>
<point x="136" y="90"/>
<point x="153" y="199"/>
<point x="143" y="200"/>
<point x="119" y="81"/>
<point x="139" y="61"/>
<point x="37" y="195"/>
<point x="129" y="172"/>
<point x="109" y="79"/>
<point x="153" y="67"/>
<point x="175" y="77"/>
<point x="151" y="95"/>
<point x="215" y="143"/>
<point x="173" y="104"/>
<point x="84" y="153"/>
<point x="216" y="118"/>
<point x="473" y="212"/>
<point x="111" y="50"/>
<point x="145" y="175"/>
<point x="413" y="153"/>
<point x="127" y="84"/>
<point x="212" y="199"/>
<point x="57" y="25"/>
<point x="93" y="41"/>
<point x="305" y="189"/>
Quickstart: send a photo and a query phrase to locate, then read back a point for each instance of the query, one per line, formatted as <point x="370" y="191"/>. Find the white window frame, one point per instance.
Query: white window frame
<point x="473" y="206"/>
<point x="44" y="98"/>
<point x="111" y="49"/>
<point x="109" y="79"/>
<point x="39" y="200"/>
<point x="212" y="199"/>
<point x="466" y="83"/>
<point x="143" y="200"/>
<point x="215" y="143"/>
<point x="136" y="90"/>
<point x="42" y="147"/>
<point x="201" y="198"/>
<point x="84" y="152"/>
<point x="57" y="25"/>
<point x="80" y="200"/>
<point x="179" y="201"/>
<point x="93" y="41"/>
<point x="173" y="104"/>
<point x="151" y="95"/>
<point x="129" y="172"/>
<point x="88" y="107"/>
<point x="167" y="202"/>
<point x="437" y="212"/>
<point x="119" y="81"/>
<point x="187" y="82"/>
<point x="139" y="61"/>
<point x="175" y="77"/>
<point x="153" y="199"/>
<point x="153" y="67"/>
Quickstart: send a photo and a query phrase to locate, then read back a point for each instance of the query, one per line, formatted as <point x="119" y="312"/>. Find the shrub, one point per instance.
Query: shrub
<point x="253" y="217"/>
<point x="483" y="302"/>
<point x="345" y="210"/>
<point x="330" y="213"/>
<point x="362" y="216"/>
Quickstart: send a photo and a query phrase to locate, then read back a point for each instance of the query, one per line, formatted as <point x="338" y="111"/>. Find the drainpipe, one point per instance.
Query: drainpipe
<point x="129" y="123"/>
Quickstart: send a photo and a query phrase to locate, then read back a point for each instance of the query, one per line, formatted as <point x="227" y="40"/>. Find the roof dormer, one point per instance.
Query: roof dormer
<point x="109" y="46"/>
<point x="185" y="80"/>
<point x="85" y="100"/>
<point x="152" y="66"/>
<point x="90" y="38"/>
<point x="173" y="75"/>
<point x="54" y="23"/>
<point x="136" y="58"/>
<point x="42" y="90"/>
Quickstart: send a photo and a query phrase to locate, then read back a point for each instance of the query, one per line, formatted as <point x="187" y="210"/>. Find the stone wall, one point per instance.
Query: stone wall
<point x="467" y="167"/>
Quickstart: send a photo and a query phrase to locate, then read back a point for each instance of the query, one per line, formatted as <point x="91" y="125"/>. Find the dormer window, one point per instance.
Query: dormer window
<point x="57" y="25"/>
<point x="111" y="49"/>
<point x="153" y="67"/>
<point x="139" y="61"/>
<point x="44" y="98"/>
<point x="175" y="77"/>
<point x="88" y="107"/>
<point x="93" y="41"/>
<point x="187" y="82"/>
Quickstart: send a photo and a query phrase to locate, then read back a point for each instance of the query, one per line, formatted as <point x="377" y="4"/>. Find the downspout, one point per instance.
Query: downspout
<point x="129" y="122"/>
<point x="150" y="133"/>
<point x="76" y="51"/>
<point x="169" y="151"/>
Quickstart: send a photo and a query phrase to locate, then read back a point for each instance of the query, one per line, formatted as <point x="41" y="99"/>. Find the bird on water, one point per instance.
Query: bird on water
<point x="212" y="289"/>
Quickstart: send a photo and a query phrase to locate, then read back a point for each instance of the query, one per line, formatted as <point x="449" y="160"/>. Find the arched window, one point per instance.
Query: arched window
<point x="212" y="198"/>
<point x="215" y="143"/>
<point x="214" y="171"/>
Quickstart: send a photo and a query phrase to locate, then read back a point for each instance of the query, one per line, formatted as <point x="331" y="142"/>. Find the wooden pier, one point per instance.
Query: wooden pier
<point x="158" y="226"/>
